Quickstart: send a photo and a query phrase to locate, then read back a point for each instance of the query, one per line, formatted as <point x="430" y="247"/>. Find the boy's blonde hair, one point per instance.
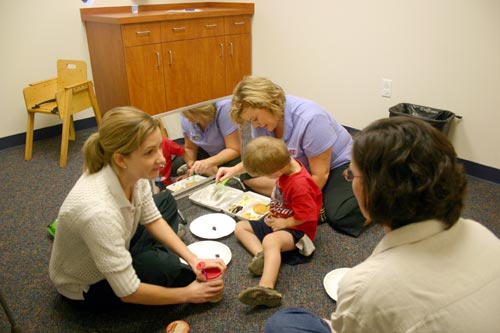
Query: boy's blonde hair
<point x="204" y="114"/>
<point x="257" y="92"/>
<point x="123" y="130"/>
<point x="265" y="155"/>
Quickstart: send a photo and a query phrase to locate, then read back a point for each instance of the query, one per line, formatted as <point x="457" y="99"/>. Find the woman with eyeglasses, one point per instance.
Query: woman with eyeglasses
<point x="433" y="271"/>
<point x="321" y="144"/>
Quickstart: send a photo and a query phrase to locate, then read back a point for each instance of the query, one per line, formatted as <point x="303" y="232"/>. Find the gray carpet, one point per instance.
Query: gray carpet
<point x="30" y="196"/>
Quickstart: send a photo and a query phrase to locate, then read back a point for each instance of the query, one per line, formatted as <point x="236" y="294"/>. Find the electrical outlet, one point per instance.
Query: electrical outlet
<point x="386" y="87"/>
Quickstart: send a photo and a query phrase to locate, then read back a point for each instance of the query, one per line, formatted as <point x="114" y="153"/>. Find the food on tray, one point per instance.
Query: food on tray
<point x="261" y="209"/>
<point x="185" y="183"/>
<point x="249" y="215"/>
<point x="183" y="186"/>
<point x="235" y="209"/>
<point x="245" y="200"/>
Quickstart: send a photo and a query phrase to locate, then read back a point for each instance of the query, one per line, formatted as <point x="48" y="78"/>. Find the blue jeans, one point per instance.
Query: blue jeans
<point x="296" y="320"/>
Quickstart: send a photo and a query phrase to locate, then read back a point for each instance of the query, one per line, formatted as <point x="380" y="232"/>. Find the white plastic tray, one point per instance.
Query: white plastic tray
<point x="187" y="184"/>
<point x="227" y="198"/>
<point x="247" y="200"/>
<point x="215" y="196"/>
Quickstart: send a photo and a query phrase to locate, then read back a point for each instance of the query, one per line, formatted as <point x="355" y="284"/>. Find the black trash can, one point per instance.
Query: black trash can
<point x="440" y="119"/>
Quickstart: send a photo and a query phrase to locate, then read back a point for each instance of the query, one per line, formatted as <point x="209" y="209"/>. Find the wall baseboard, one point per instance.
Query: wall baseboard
<point x="481" y="171"/>
<point x="44" y="133"/>
<point x="471" y="168"/>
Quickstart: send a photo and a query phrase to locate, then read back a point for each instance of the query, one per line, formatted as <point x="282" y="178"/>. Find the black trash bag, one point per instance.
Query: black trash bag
<point x="440" y="119"/>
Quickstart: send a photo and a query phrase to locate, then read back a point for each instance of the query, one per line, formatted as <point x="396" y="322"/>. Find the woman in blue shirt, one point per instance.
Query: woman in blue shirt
<point x="313" y="137"/>
<point x="210" y="138"/>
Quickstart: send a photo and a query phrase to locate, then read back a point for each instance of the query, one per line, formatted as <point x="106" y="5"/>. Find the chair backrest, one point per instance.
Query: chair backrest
<point x="70" y="72"/>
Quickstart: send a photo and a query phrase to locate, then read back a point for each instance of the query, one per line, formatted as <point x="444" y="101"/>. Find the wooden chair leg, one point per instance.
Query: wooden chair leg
<point x="28" y="150"/>
<point x="64" y="142"/>
<point x="64" y="111"/>
<point x="95" y="105"/>
<point x="72" y="133"/>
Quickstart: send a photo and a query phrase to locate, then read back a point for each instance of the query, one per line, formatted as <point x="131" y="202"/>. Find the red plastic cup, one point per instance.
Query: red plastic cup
<point x="211" y="273"/>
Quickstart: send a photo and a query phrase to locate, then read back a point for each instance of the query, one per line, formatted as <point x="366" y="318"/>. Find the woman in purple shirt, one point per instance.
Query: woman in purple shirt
<point x="210" y="138"/>
<point x="313" y="137"/>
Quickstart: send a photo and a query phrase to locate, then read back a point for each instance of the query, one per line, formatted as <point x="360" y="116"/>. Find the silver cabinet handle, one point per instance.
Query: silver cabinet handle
<point x="239" y="23"/>
<point x="210" y="25"/>
<point x="158" y="60"/>
<point x="221" y="50"/>
<point x="143" y="33"/>
<point x="179" y="28"/>
<point x="170" y="58"/>
<point x="231" y="48"/>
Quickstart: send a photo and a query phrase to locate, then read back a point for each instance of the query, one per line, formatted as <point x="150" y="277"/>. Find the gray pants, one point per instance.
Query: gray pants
<point x="342" y="209"/>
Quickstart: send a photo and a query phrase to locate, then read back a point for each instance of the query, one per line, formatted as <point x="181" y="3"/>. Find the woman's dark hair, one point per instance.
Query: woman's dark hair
<point x="409" y="173"/>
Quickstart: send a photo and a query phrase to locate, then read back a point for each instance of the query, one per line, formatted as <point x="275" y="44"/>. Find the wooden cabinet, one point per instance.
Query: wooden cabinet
<point x="159" y="62"/>
<point x="194" y="60"/>
<point x="238" y="50"/>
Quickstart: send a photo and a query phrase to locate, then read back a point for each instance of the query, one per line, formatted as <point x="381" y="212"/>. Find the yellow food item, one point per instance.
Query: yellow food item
<point x="188" y="184"/>
<point x="249" y="216"/>
<point x="260" y="209"/>
<point x="184" y="185"/>
<point x="245" y="200"/>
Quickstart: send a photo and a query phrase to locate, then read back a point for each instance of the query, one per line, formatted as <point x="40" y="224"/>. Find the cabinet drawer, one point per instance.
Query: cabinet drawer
<point x="238" y="24"/>
<point x="193" y="28"/>
<point x="141" y="34"/>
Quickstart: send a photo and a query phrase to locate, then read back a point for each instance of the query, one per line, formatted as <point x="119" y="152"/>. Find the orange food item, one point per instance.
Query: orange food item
<point x="260" y="209"/>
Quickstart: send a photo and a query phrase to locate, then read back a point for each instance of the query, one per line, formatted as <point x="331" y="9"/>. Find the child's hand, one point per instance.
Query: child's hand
<point x="276" y="223"/>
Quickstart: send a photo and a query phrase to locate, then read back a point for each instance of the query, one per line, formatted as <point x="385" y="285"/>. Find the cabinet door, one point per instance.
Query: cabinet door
<point x="146" y="78"/>
<point x="194" y="71"/>
<point x="238" y="59"/>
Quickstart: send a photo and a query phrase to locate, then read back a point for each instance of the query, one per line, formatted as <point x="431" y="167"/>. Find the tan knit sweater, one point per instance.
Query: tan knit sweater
<point x="95" y="225"/>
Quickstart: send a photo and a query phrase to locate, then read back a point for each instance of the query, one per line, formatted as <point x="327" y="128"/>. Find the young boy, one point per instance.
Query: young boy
<point x="291" y="224"/>
<point x="169" y="148"/>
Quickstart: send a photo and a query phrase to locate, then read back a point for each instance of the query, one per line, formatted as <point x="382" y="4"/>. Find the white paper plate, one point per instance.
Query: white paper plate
<point x="212" y="226"/>
<point x="331" y="281"/>
<point x="211" y="250"/>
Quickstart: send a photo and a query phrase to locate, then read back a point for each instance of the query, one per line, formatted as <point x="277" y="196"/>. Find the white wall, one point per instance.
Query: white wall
<point x="439" y="53"/>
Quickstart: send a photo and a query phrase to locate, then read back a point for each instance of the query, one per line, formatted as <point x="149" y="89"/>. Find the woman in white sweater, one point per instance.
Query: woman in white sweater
<point x="112" y="243"/>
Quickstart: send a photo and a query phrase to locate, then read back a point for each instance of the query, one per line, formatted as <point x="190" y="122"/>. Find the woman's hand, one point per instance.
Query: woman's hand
<point x="207" y="263"/>
<point x="203" y="167"/>
<point x="202" y="292"/>
<point x="184" y="176"/>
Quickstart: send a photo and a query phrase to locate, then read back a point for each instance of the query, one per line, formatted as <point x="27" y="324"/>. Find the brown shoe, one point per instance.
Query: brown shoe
<point x="256" y="266"/>
<point x="260" y="296"/>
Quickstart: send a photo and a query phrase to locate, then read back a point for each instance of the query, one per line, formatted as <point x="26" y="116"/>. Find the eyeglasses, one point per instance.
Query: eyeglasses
<point x="348" y="175"/>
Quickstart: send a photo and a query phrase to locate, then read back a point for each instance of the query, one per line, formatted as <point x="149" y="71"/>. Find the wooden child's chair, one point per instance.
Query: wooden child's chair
<point x="69" y="93"/>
